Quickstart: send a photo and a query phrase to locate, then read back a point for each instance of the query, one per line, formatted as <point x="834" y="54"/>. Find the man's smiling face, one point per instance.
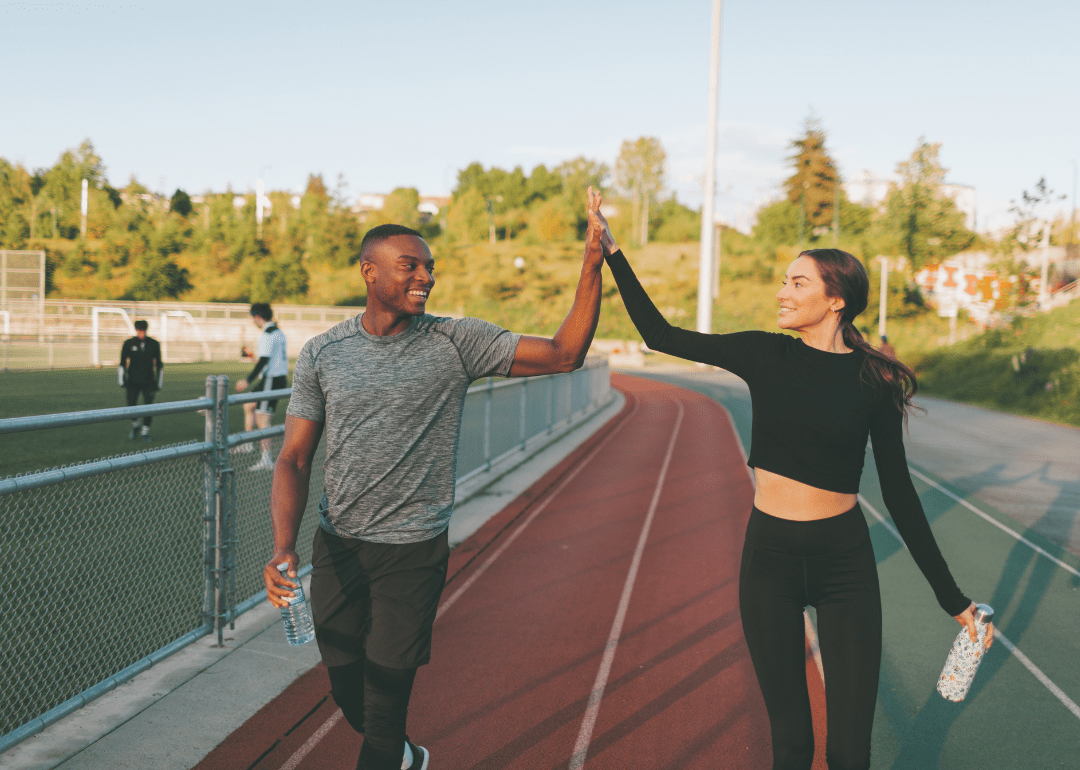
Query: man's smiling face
<point x="400" y="273"/>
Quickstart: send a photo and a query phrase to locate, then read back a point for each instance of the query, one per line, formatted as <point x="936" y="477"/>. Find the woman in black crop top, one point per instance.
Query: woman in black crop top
<point x="816" y="399"/>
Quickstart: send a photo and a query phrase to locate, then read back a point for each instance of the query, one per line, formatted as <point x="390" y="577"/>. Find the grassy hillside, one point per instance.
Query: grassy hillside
<point x="1031" y="369"/>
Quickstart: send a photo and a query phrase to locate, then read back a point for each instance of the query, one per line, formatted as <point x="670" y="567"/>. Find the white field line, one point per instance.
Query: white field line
<point x="319" y="734"/>
<point x="815" y="648"/>
<point x="535" y="512"/>
<point x="1057" y="692"/>
<point x="311" y="742"/>
<point x="592" y="711"/>
<point x="995" y="522"/>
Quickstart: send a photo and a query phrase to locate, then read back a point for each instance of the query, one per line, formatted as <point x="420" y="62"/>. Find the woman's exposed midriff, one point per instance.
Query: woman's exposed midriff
<point x="789" y="499"/>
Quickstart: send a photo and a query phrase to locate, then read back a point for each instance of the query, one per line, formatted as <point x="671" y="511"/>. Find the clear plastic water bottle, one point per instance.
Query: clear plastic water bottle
<point x="298" y="626"/>
<point x="964" y="657"/>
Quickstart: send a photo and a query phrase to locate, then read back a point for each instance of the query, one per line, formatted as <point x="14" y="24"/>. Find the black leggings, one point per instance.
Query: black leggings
<point x="828" y="564"/>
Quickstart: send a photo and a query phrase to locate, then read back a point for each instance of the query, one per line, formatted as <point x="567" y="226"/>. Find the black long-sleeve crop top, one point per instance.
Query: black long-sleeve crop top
<point x="812" y="414"/>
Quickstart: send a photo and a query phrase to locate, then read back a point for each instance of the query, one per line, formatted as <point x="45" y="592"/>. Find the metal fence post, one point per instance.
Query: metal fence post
<point x="524" y="385"/>
<point x="210" y="467"/>
<point x="220" y="507"/>
<point x="487" y="422"/>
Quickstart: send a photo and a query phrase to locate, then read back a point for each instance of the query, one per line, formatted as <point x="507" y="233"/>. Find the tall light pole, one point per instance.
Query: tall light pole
<point x="1072" y="215"/>
<point x="705" y="262"/>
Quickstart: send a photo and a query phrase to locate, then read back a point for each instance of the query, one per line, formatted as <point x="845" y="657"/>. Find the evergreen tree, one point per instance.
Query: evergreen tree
<point x="812" y="186"/>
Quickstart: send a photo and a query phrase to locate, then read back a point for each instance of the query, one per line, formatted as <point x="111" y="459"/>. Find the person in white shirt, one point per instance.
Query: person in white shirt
<point x="270" y="373"/>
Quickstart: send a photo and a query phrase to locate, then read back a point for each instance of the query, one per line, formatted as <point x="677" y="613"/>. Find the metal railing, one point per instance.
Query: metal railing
<point x="114" y="564"/>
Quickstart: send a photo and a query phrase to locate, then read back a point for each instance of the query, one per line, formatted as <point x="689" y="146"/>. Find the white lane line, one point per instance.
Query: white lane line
<point x="592" y="711"/>
<point x="1070" y="704"/>
<point x="815" y="648"/>
<point x="311" y="742"/>
<point x="319" y="734"/>
<point x="535" y="512"/>
<point x="995" y="522"/>
<point x="1057" y="692"/>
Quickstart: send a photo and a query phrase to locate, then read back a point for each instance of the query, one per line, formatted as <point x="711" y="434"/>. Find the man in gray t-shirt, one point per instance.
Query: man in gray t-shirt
<point x="388" y="388"/>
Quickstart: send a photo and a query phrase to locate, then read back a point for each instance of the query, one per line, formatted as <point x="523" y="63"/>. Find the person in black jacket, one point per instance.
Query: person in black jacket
<point x="142" y="371"/>
<point x="816" y="399"/>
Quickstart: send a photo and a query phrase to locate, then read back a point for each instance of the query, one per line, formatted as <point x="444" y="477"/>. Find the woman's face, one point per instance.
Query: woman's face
<point x="803" y="304"/>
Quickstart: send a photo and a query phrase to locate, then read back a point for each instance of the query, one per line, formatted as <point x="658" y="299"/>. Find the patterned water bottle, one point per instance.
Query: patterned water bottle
<point x="965" y="657"/>
<point x="298" y="626"/>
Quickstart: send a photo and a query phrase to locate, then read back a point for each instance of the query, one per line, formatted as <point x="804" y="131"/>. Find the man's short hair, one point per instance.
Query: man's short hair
<point x="141" y="326"/>
<point x="262" y="310"/>
<point x="381" y="233"/>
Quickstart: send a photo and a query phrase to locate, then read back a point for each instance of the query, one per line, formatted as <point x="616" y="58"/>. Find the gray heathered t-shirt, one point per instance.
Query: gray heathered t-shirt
<point x="392" y="412"/>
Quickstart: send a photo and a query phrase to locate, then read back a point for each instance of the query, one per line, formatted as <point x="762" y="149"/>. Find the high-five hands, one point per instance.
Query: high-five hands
<point x="599" y="235"/>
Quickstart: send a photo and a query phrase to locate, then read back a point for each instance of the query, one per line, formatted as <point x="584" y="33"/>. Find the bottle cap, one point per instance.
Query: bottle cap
<point x="984" y="613"/>
<point x="283" y="568"/>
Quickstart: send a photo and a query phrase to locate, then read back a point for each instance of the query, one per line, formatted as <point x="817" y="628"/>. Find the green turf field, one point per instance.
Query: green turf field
<point x="73" y="390"/>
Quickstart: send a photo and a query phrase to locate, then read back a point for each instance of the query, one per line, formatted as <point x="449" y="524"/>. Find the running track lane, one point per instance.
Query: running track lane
<point x="518" y="652"/>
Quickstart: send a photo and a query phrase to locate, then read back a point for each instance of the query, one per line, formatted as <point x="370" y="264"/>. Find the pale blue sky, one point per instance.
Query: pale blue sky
<point x="202" y="95"/>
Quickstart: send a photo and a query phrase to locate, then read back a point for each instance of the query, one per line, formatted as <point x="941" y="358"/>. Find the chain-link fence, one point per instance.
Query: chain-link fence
<point x="114" y="564"/>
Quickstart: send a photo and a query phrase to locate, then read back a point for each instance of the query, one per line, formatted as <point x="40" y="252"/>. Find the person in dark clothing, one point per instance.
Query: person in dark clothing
<point x="816" y="399"/>
<point x="142" y="371"/>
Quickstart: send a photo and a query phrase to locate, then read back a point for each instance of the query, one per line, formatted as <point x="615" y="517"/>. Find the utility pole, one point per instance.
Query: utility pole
<point x="82" y="221"/>
<point x="705" y="262"/>
<point x="884" y="295"/>
<point x="1044" y="293"/>
<point x="1072" y="216"/>
<point x="836" y="212"/>
<point x="258" y="208"/>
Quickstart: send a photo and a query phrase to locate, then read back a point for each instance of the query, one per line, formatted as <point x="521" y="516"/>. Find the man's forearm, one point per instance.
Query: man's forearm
<point x="576" y="332"/>
<point x="288" y="500"/>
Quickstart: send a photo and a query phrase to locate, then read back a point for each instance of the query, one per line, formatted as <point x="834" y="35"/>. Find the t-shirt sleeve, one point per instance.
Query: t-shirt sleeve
<point x="735" y="352"/>
<point x="886" y="434"/>
<point x="486" y="350"/>
<point x="307" y="401"/>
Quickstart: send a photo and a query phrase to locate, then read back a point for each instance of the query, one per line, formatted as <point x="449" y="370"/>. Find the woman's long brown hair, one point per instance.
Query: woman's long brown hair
<point x="845" y="277"/>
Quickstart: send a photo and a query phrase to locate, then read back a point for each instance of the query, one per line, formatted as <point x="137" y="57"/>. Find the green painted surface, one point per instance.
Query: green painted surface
<point x="1010" y="719"/>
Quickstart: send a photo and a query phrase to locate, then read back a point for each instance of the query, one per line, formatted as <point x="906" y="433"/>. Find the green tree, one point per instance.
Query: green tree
<point x="921" y="221"/>
<point x="812" y="185"/>
<point x="180" y="203"/>
<point x="639" y="172"/>
<point x="1032" y="213"/>
<point x="778" y="224"/>
<point x="399" y="207"/>
<point x="157" y="276"/>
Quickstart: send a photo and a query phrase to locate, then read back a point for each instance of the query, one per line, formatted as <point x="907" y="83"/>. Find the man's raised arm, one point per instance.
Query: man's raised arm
<point x="567" y="349"/>
<point x="288" y="499"/>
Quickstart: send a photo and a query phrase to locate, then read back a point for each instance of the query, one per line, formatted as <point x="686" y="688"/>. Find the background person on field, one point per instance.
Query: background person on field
<point x="388" y="388"/>
<point x="270" y="373"/>
<point x="142" y="371"/>
<point x="816" y="399"/>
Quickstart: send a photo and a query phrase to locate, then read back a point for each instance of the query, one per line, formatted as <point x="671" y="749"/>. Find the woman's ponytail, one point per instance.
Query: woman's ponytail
<point x="880" y="370"/>
<point x="845" y="277"/>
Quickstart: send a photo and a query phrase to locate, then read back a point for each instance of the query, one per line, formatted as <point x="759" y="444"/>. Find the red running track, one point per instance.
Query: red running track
<point x="592" y="623"/>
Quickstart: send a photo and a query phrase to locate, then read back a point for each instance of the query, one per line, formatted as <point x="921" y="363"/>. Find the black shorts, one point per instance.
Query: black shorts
<point x="147" y="389"/>
<point x="271" y="383"/>
<point x="376" y="599"/>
